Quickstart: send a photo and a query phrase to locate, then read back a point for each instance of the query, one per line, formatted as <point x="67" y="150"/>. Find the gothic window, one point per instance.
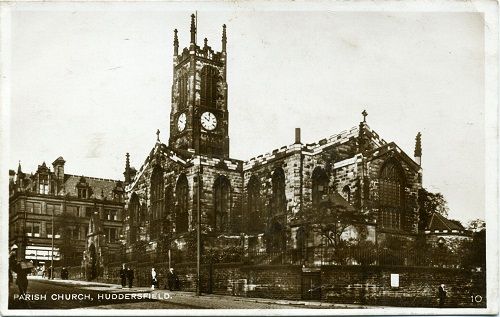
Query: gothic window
<point x="133" y="217"/>
<point x="209" y="86"/>
<point x="319" y="186"/>
<point x="182" y="198"/>
<point x="391" y="195"/>
<point x="254" y="217"/>
<point x="346" y="191"/>
<point x="278" y="206"/>
<point x="222" y="200"/>
<point x="168" y="208"/>
<point x="182" y="86"/>
<point x="157" y="201"/>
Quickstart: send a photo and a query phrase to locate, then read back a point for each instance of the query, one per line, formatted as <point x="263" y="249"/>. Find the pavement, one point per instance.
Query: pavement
<point x="211" y="301"/>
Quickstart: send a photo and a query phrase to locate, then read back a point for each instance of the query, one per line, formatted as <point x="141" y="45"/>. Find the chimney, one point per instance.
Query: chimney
<point x="297" y="136"/>
<point x="58" y="166"/>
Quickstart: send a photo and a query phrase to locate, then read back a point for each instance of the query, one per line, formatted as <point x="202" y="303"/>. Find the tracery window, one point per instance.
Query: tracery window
<point x="182" y="198"/>
<point x="222" y="201"/>
<point x="133" y="217"/>
<point x="182" y="86"/>
<point x="319" y="185"/>
<point x="278" y="207"/>
<point x="346" y="191"/>
<point x="157" y="201"/>
<point x="255" y="219"/>
<point x="208" y="96"/>
<point x="391" y="195"/>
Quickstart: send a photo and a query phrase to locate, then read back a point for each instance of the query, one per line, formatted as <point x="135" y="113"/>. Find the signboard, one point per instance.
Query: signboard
<point x="41" y="253"/>
<point x="394" y="280"/>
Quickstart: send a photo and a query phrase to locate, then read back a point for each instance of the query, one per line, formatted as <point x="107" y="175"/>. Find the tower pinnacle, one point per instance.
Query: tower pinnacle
<point x="176" y="43"/>
<point x="224" y="39"/>
<point x="193" y="29"/>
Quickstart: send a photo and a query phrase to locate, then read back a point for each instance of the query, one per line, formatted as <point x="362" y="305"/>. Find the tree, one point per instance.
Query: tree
<point x="476" y="225"/>
<point x="473" y="251"/>
<point x="430" y="203"/>
<point x="331" y="219"/>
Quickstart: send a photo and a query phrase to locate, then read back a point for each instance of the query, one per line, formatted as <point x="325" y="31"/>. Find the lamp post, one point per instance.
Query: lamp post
<point x="52" y="253"/>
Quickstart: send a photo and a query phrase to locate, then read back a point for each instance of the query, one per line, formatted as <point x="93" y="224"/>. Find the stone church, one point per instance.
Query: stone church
<point x="258" y="204"/>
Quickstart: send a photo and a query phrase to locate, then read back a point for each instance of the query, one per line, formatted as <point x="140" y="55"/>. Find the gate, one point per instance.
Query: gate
<point x="311" y="285"/>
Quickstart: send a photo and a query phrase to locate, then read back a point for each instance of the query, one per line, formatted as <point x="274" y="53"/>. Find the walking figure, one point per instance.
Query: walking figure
<point x="123" y="275"/>
<point x="130" y="276"/>
<point x="154" y="280"/>
<point x="170" y="279"/>
<point x="442" y="295"/>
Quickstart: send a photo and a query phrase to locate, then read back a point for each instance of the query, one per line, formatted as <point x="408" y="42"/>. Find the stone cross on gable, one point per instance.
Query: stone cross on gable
<point x="364" y="113"/>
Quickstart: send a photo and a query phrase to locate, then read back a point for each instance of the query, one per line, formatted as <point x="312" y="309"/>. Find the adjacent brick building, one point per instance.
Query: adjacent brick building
<point x="258" y="204"/>
<point x="54" y="203"/>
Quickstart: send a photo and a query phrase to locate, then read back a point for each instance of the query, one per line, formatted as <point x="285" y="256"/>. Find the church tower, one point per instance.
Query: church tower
<point x="199" y="116"/>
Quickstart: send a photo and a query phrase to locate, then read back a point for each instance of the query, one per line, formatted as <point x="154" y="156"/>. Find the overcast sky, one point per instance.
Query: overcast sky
<point x="93" y="85"/>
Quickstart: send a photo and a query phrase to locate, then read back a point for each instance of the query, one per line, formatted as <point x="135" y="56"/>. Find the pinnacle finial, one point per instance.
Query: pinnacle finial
<point x="176" y="43"/>
<point x="205" y="41"/>
<point x="193" y="29"/>
<point x="418" y="145"/>
<point x="365" y="114"/>
<point x="158" y="135"/>
<point x="224" y="38"/>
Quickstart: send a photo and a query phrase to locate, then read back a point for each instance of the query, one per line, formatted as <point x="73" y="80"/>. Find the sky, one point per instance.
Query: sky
<point x="91" y="85"/>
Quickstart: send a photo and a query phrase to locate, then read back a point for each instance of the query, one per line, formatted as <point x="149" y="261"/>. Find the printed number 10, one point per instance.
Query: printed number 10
<point x="476" y="299"/>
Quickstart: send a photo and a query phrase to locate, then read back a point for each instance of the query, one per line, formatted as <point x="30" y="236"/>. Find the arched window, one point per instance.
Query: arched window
<point x="346" y="191"/>
<point x="392" y="195"/>
<point x="255" y="219"/>
<point x="319" y="186"/>
<point x="134" y="210"/>
<point x="208" y="96"/>
<point x="182" y="198"/>
<point x="278" y="206"/>
<point x="222" y="202"/>
<point x="168" y="209"/>
<point x="182" y="86"/>
<point x="157" y="201"/>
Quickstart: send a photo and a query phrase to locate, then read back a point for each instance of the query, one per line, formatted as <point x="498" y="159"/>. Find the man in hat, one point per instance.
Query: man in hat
<point x="12" y="262"/>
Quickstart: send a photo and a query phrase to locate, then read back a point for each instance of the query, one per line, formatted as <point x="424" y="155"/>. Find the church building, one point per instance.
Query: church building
<point x="263" y="205"/>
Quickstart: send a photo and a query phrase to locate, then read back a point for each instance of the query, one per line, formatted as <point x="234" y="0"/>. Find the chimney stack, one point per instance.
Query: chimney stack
<point x="297" y="136"/>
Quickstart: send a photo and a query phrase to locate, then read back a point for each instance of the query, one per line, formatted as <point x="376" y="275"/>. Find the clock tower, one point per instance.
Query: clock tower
<point x="199" y="116"/>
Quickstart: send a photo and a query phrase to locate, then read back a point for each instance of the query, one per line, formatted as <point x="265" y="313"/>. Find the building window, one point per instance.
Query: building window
<point x="168" y="208"/>
<point x="73" y="210"/>
<point x="111" y="235"/>
<point x="182" y="85"/>
<point x="278" y="207"/>
<point x="208" y="96"/>
<point x="346" y="191"/>
<point x="182" y="198"/>
<point x="43" y="184"/>
<point x="53" y="209"/>
<point x="391" y="195"/>
<point x="277" y="214"/>
<point x="133" y="217"/>
<point x="157" y="203"/>
<point x="319" y="186"/>
<point x="220" y="216"/>
<point x="35" y="208"/>
<point x="82" y="193"/>
<point x="255" y="219"/>
<point x="32" y="229"/>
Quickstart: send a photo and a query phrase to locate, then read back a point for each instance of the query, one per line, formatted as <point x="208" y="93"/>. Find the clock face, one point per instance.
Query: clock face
<point x="208" y="121"/>
<point x="181" y="122"/>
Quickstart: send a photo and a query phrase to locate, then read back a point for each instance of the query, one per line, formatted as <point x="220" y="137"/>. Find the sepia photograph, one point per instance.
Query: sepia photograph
<point x="215" y="158"/>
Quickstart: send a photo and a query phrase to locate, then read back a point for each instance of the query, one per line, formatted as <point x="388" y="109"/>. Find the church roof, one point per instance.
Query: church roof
<point x="441" y="223"/>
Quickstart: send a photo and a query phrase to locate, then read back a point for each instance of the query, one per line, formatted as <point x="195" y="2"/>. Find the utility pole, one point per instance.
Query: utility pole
<point x="52" y="253"/>
<point x="198" y="232"/>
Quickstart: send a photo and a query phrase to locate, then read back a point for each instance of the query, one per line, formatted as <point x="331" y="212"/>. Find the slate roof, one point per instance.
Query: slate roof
<point x="441" y="223"/>
<point x="98" y="185"/>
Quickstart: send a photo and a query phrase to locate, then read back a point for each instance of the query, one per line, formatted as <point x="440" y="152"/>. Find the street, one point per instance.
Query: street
<point x="68" y="294"/>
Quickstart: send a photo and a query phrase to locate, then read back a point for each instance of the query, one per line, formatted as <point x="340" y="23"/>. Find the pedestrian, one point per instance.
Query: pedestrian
<point x="130" y="276"/>
<point x="170" y="279"/>
<point x="177" y="282"/>
<point x="154" y="280"/>
<point x="123" y="275"/>
<point x="64" y="273"/>
<point x="442" y="295"/>
<point x="22" y="279"/>
<point x="12" y="262"/>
